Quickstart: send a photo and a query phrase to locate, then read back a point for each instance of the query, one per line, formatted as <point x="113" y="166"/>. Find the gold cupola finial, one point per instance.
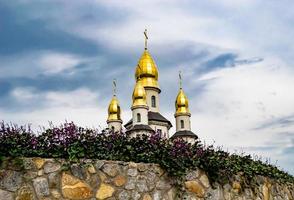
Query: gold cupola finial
<point x="146" y="68"/>
<point x="182" y="103"/>
<point x="139" y="95"/>
<point x="114" y="107"/>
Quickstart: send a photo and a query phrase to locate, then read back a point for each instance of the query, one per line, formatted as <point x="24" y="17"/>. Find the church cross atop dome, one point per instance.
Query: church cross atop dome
<point x="180" y="79"/>
<point x="146" y="38"/>
<point x="114" y="87"/>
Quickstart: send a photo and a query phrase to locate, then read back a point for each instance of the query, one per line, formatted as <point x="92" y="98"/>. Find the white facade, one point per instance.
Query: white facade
<point x="139" y="133"/>
<point x="152" y="98"/>
<point x="183" y="122"/>
<point x="140" y="115"/>
<point x="115" y="125"/>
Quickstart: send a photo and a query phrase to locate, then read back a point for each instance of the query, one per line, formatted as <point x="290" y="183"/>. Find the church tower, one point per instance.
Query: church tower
<point x="182" y="116"/>
<point x="139" y="112"/>
<point x="114" y="121"/>
<point x="147" y="73"/>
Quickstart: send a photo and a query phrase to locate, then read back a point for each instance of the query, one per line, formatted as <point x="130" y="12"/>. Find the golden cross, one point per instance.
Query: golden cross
<point x="114" y="87"/>
<point x="146" y="38"/>
<point x="180" y="79"/>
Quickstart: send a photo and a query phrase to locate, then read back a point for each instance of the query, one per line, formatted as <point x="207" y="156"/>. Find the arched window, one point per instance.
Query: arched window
<point x="138" y="117"/>
<point x="182" y="124"/>
<point x="153" y="101"/>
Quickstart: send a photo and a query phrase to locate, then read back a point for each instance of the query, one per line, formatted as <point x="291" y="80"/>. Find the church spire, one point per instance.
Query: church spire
<point x="146" y="68"/>
<point x="114" y="119"/>
<point x="181" y="104"/>
<point x="182" y="116"/>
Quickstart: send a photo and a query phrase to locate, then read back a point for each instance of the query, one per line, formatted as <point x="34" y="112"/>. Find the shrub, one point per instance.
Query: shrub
<point x="73" y="142"/>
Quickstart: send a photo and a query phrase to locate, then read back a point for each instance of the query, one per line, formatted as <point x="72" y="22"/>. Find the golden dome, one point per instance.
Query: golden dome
<point x="147" y="71"/>
<point x="139" y="95"/>
<point x="114" y="109"/>
<point x="182" y="104"/>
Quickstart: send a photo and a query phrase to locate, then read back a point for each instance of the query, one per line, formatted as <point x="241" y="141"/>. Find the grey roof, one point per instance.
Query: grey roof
<point x="141" y="127"/>
<point x="184" y="133"/>
<point x="156" y="116"/>
<point x="153" y="116"/>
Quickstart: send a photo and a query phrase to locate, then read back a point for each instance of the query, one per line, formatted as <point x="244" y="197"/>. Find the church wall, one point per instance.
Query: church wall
<point x="58" y="179"/>
<point x="163" y="129"/>
<point x="117" y="125"/>
<point x="139" y="133"/>
<point x="144" y="116"/>
<point x="187" y="124"/>
<point x="149" y="93"/>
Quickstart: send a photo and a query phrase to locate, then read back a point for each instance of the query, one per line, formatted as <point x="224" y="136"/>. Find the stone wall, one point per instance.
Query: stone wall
<point x="37" y="178"/>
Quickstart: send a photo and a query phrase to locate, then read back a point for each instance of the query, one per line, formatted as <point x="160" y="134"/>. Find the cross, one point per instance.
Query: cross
<point x="114" y="87"/>
<point x="146" y="38"/>
<point x="180" y="79"/>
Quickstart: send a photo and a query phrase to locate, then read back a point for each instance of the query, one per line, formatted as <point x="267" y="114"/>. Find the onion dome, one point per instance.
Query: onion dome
<point x="147" y="71"/>
<point x="114" y="109"/>
<point x="139" y="95"/>
<point x="182" y="104"/>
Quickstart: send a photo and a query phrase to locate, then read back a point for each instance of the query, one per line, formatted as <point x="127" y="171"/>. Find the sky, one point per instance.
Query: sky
<point x="58" y="60"/>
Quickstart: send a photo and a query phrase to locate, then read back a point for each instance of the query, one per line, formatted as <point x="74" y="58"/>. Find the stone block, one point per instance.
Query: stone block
<point x="5" y="195"/>
<point x="50" y="167"/>
<point x="204" y="180"/>
<point x="10" y="180"/>
<point x="78" y="171"/>
<point x="41" y="187"/>
<point x="142" y="184"/>
<point x="147" y="197"/>
<point x="110" y="169"/>
<point x="131" y="183"/>
<point x="124" y="195"/>
<point x="91" y="169"/>
<point x="74" y="188"/>
<point x="25" y="193"/>
<point x="119" y="180"/>
<point x="105" y="191"/>
<point x="195" y="187"/>
<point x="132" y="172"/>
<point x="135" y="195"/>
<point x="39" y="162"/>
<point x="99" y="164"/>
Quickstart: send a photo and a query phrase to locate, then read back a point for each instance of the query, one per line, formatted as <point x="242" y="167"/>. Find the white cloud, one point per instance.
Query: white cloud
<point x="236" y="103"/>
<point x="81" y="106"/>
<point x="32" y="64"/>
<point x="56" y="62"/>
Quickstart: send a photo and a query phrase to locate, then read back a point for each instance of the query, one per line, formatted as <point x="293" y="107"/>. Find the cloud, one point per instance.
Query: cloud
<point x="54" y="63"/>
<point x="81" y="106"/>
<point x="36" y="63"/>
<point x="280" y="122"/>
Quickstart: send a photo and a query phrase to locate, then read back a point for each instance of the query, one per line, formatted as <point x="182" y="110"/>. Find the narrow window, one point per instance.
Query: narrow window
<point x="182" y="123"/>
<point x="153" y="102"/>
<point x="138" y="117"/>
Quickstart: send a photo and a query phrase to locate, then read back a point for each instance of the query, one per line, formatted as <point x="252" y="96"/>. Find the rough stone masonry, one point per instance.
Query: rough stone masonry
<point x="57" y="179"/>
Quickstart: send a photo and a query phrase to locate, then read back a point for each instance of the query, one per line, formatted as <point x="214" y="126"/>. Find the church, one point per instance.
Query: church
<point x="146" y="117"/>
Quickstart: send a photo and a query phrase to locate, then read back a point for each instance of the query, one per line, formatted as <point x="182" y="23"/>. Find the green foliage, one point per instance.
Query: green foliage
<point x="72" y="142"/>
